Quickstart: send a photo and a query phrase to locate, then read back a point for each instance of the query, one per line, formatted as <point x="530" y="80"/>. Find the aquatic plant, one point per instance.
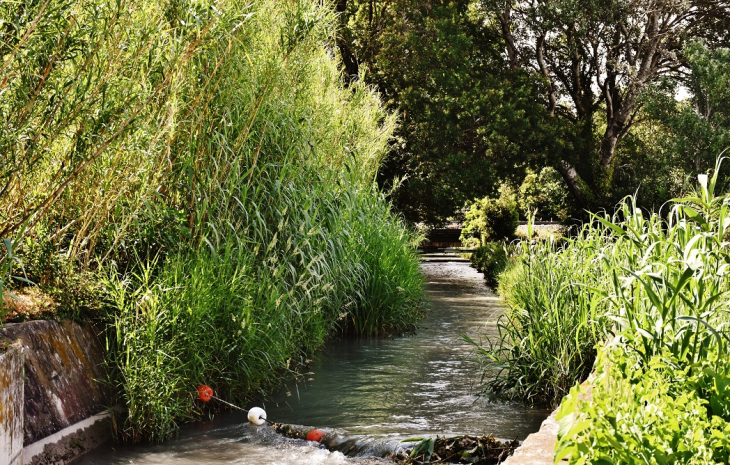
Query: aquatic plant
<point x="650" y="293"/>
<point x="641" y="275"/>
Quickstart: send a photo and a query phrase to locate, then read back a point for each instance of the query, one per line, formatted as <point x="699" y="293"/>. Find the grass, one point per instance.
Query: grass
<point x="643" y="276"/>
<point x="646" y="293"/>
<point x="204" y="166"/>
<point x="547" y="338"/>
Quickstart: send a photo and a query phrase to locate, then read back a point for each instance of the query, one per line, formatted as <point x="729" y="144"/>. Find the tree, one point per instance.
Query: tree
<point x="463" y="112"/>
<point x="598" y="58"/>
<point x="698" y="127"/>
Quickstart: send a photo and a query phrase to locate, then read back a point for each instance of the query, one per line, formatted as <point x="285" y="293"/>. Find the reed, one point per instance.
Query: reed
<point x="657" y="281"/>
<point x="662" y="387"/>
<point x="205" y="160"/>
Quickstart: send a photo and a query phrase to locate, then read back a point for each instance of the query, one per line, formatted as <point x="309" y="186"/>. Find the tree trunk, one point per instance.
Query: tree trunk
<point x="349" y="61"/>
<point x="577" y="187"/>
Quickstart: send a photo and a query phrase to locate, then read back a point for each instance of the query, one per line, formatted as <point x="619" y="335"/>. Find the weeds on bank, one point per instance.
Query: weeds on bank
<point x="205" y="159"/>
<point x="662" y="388"/>
<point x="654" y="286"/>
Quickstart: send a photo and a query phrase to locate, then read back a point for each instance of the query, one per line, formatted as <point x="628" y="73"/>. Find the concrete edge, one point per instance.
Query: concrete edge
<point x="539" y="447"/>
<point x="70" y="442"/>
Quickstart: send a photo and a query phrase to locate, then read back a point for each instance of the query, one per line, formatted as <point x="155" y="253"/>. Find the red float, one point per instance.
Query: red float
<point x="205" y="393"/>
<point x="315" y="435"/>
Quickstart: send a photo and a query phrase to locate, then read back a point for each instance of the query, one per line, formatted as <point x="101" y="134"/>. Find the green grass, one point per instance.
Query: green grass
<point x="649" y="293"/>
<point x="547" y="337"/>
<point x="644" y="276"/>
<point x="205" y="160"/>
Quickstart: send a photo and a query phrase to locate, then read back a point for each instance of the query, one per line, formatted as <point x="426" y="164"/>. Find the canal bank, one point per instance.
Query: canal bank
<point x="53" y="399"/>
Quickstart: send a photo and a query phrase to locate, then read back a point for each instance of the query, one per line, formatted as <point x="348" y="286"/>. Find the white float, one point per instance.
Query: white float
<point x="257" y="416"/>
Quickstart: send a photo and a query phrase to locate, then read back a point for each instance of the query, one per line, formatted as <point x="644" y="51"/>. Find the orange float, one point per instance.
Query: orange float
<point x="205" y="393"/>
<point x="315" y="435"/>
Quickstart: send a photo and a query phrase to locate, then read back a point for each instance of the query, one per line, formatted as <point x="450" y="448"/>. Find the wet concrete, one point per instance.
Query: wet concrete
<point x="64" y="363"/>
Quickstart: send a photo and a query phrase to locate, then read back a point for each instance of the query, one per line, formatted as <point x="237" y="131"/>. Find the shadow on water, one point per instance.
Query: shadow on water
<point x="375" y="388"/>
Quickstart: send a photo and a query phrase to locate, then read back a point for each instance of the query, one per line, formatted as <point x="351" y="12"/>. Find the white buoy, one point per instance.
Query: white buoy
<point x="257" y="416"/>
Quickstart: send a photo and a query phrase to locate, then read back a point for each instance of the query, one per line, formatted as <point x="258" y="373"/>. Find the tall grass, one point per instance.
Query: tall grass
<point x="657" y="280"/>
<point x="206" y="159"/>
<point x="662" y="389"/>
<point x="547" y="338"/>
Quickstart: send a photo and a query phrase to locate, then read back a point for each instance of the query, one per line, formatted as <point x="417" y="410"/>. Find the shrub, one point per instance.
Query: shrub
<point x="491" y="219"/>
<point x="644" y="413"/>
<point x="545" y="193"/>
<point x="490" y="259"/>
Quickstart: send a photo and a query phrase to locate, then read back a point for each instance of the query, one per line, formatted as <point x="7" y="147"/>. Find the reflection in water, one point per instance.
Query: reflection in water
<point x="401" y="387"/>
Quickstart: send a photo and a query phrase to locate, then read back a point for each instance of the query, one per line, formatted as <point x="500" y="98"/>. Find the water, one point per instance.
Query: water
<point x="370" y="388"/>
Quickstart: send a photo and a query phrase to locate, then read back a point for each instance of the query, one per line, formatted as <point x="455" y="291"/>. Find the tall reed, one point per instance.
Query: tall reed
<point x="206" y="159"/>
<point x="656" y="280"/>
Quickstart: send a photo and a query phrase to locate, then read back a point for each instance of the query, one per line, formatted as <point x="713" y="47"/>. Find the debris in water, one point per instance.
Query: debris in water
<point x="482" y="450"/>
<point x="289" y="431"/>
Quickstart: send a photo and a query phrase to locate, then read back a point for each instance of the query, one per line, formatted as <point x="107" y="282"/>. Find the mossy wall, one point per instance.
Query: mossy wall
<point x="63" y="366"/>
<point x="11" y="407"/>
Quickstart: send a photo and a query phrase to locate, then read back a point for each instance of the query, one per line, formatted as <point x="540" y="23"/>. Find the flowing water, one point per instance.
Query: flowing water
<point x="372" y="389"/>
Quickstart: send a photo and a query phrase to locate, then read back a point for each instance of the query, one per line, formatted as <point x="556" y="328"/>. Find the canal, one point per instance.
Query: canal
<point x="369" y="389"/>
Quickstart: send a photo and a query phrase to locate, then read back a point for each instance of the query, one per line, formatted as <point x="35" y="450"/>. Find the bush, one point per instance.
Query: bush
<point x="490" y="259"/>
<point x="545" y="193"/>
<point x="491" y="219"/>
<point x="638" y="414"/>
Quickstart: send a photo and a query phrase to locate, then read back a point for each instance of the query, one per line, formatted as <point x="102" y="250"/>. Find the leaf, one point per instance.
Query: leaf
<point x="695" y="216"/>
<point x="617" y="229"/>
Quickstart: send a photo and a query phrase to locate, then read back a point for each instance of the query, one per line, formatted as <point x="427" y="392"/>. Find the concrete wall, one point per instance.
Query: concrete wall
<point x="11" y="407"/>
<point x="64" y="396"/>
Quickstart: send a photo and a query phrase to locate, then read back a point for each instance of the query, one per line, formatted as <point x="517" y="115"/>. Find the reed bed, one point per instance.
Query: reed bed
<point x="205" y="164"/>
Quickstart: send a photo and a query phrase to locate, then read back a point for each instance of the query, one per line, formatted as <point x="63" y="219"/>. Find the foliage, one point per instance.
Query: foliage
<point x="9" y="261"/>
<point x="547" y="338"/>
<point x="656" y="287"/>
<point x="206" y="160"/>
<point x="601" y="57"/>
<point x="645" y="413"/>
<point x="463" y="113"/>
<point x="491" y="219"/>
<point x="698" y="128"/>
<point x="490" y="259"/>
<point x="256" y="322"/>
<point x="546" y="194"/>
<point x="488" y="90"/>
<point x="658" y="282"/>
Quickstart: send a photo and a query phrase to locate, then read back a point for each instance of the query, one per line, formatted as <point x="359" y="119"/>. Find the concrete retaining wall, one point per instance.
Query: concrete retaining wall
<point x="539" y="447"/>
<point x="63" y="399"/>
<point x="11" y="407"/>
